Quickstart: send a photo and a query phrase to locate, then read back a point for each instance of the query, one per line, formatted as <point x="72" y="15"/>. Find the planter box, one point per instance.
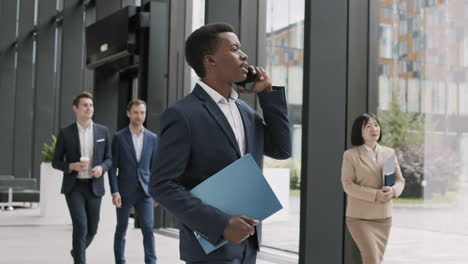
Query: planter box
<point x="53" y="206"/>
<point x="278" y="178"/>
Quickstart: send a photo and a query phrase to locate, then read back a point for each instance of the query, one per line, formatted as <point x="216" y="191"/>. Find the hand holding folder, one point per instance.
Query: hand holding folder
<point x="239" y="228"/>
<point x="238" y="189"/>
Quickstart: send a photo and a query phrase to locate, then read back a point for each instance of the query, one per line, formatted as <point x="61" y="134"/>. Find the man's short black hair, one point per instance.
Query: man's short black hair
<point x="359" y="123"/>
<point x="202" y="42"/>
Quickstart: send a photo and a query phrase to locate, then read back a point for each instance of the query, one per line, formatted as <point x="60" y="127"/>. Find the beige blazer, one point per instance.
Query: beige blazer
<point x="362" y="177"/>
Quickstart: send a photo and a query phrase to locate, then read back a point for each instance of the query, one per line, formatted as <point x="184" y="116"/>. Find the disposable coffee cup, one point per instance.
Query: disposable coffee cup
<point x="85" y="162"/>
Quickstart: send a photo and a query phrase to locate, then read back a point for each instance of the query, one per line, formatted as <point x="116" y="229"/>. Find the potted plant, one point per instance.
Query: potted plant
<point x="52" y="203"/>
<point x="278" y="175"/>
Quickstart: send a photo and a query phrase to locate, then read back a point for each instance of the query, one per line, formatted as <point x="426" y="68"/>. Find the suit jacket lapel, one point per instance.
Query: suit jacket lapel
<point x="380" y="158"/>
<point x="218" y="115"/>
<point x="146" y="147"/>
<point x="128" y="138"/>
<point x="364" y="156"/>
<point x="76" y="139"/>
<point x="214" y="110"/>
<point x="95" y="137"/>
<point x="248" y="127"/>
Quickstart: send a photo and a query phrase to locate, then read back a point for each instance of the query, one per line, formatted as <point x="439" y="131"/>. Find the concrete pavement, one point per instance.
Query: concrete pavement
<point x="26" y="237"/>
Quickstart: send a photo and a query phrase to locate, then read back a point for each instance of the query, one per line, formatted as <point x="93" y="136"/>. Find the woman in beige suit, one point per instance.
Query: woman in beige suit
<point x="369" y="207"/>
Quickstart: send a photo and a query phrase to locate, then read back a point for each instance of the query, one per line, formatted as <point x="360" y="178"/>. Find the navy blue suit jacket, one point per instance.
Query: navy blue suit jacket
<point x="67" y="150"/>
<point x="130" y="171"/>
<point x="195" y="142"/>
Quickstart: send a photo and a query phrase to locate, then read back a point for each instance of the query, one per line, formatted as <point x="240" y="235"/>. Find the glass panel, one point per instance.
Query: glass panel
<point x="284" y="50"/>
<point x="17" y="33"/>
<point x="423" y="109"/>
<point x="131" y="3"/>
<point x="17" y="17"/>
<point x="36" y="11"/>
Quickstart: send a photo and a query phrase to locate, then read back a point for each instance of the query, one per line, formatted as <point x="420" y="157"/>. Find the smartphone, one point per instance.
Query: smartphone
<point x="249" y="82"/>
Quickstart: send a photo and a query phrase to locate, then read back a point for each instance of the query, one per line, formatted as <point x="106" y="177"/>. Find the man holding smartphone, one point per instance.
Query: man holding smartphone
<point x="83" y="153"/>
<point x="208" y="130"/>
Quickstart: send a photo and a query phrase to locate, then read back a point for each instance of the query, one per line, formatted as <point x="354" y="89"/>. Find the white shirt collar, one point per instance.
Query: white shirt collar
<point x="217" y="97"/>
<point x="133" y="132"/>
<point x="372" y="150"/>
<point x="82" y="128"/>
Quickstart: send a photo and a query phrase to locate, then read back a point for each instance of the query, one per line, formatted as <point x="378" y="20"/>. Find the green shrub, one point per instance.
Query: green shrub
<point x="427" y="173"/>
<point x="404" y="132"/>
<point x="48" y="150"/>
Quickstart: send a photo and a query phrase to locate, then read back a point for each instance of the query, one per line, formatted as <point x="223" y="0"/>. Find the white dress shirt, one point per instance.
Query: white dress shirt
<point x="230" y="111"/>
<point x="373" y="152"/>
<point x="86" y="136"/>
<point x="137" y="142"/>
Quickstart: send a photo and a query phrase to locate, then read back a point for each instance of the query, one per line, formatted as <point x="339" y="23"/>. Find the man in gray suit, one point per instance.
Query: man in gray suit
<point x="83" y="153"/>
<point x="133" y="150"/>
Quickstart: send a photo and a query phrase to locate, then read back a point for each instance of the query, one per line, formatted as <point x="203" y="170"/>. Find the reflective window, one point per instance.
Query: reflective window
<point x="284" y="64"/>
<point x="423" y="109"/>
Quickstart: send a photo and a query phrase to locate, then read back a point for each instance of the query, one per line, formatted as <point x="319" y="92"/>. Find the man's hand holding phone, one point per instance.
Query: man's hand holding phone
<point x="257" y="81"/>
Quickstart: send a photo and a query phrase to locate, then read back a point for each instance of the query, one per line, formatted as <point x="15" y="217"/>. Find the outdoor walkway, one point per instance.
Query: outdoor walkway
<point x="25" y="238"/>
<point x="418" y="235"/>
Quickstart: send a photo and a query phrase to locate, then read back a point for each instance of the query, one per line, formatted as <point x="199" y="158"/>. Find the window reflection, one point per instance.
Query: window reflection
<point x="284" y="50"/>
<point x="422" y="103"/>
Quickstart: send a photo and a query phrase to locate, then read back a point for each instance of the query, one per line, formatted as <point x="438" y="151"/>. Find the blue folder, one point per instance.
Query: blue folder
<point x="240" y="188"/>
<point x="389" y="179"/>
<point x="388" y="171"/>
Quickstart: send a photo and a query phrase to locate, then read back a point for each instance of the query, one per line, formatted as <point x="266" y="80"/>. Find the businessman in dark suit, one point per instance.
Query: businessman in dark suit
<point x="83" y="153"/>
<point x="208" y="130"/>
<point x="133" y="149"/>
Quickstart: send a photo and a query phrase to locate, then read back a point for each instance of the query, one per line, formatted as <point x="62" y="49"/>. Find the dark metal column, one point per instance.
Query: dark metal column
<point x="156" y="79"/>
<point x="358" y="47"/>
<point x="24" y="98"/>
<point x="335" y="92"/>
<point x="188" y="30"/>
<point x="373" y="62"/>
<point x="178" y="73"/>
<point x="157" y="62"/>
<point x="7" y="84"/>
<point x="58" y="68"/>
<point x="46" y="89"/>
<point x="72" y="59"/>
<point x="324" y="131"/>
<point x="227" y="11"/>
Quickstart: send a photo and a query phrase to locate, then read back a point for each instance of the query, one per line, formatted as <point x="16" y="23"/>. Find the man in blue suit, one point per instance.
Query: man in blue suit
<point x="133" y="150"/>
<point x="83" y="153"/>
<point x="208" y="130"/>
